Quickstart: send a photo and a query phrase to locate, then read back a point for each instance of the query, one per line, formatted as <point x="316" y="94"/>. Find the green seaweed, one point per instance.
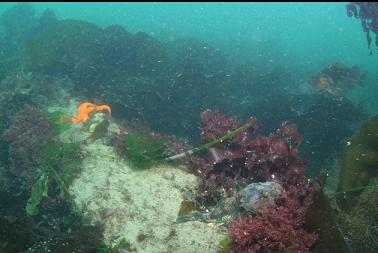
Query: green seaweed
<point x="225" y="246"/>
<point x="106" y="248"/>
<point x="60" y="125"/>
<point x="61" y="164"/>
<point x="145" y="150"/>
<point x="122" y="244"/>
<point x="63" y="157"/>
<point x="68" y="221"/>
<point x="360" y="188"/>
<point x="39" y="190"/>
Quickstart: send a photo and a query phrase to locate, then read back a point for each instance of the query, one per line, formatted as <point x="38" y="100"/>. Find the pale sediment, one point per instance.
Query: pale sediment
<point x="140" y="206"/>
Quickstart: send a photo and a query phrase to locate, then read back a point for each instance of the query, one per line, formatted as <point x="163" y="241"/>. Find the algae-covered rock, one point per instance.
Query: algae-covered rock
<point x="150" y="57"/>
<point x="17" y="233"/>
<point x="29" y="132"/>
<point x="82" y="239"/>
<point x="140" y="205"/>
<point x="92" y="56"/>
<point x="361" y="223"/>
<point x="35" y="89"/>
<point x="63" y="47"/>
<point x="254" y="198"/>
<point x="192" y="54"/>
<point x="19" y="25"/>
<point x="98" y="126"/>
<point x="134" y="73"/>
<point x="360" y="162"/>
<point x="322" y="220"/>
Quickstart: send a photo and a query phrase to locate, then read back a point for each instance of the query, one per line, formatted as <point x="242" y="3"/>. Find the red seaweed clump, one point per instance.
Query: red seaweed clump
<point x="247" y="159"/>
<point x="216" y="124"/>
<point x="29" y="132"/>
<point x="277" y="229"/>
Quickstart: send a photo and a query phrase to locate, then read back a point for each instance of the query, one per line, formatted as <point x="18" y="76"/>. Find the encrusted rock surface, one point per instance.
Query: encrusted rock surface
<point x="140" y="206"/>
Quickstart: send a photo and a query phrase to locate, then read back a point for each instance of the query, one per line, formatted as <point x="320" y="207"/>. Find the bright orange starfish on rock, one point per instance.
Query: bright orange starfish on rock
<point x="85" y="110"/>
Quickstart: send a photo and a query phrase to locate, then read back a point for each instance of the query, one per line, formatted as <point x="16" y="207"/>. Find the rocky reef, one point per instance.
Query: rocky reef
<point x="103" y="184"/>
<point x="111" y="64"/>
<point x="21" y="25"/>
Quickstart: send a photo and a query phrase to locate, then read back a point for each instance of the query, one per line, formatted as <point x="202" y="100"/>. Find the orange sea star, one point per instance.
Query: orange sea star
<point x="85" y="109"/>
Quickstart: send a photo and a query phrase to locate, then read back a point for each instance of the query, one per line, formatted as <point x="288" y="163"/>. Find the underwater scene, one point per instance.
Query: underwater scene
<point x="189" y="127"/>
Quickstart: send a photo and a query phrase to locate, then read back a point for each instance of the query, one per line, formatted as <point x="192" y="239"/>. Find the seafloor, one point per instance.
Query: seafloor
<point x="139" y="205"/>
